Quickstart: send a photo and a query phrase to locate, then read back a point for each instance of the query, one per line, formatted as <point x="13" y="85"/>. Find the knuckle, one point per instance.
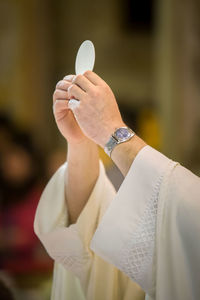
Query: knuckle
<point x="105" y="88"/>
<point x="71" y="88"/>
<point x="68" y="77"/>
<point x="87" y="73"/>
<point x="104" y="85"/>
<point x="78" y="78"/>
<point x="55" y="94"/>
<point x="59" y="83"/>
<point x="95" y="93"/>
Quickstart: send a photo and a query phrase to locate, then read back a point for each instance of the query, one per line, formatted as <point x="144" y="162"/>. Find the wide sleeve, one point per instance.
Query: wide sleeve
<point x="178" y="236"/>
<point x="68" y="244"/>
<point x="127" y="232"/>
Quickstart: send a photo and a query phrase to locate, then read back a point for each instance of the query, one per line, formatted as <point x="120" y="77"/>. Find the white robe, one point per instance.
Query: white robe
<point x="79" y="274"/>
<point x="150" y="231"/>
<point x="152" y="228"/>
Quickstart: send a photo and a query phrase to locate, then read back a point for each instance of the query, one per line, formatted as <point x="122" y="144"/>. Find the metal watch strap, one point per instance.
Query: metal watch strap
<point x="114" y="141"/>
<point x="110" y="145"/>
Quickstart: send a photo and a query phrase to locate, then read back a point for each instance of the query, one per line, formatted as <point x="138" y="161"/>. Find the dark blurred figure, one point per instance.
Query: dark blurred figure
<point x="21" y="171"/>
<point x="5" y="292"/>
<point x="7" y="132"/>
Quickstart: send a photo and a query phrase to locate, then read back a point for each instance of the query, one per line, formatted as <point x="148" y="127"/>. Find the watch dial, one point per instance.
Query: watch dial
<point x="122" y="134"/>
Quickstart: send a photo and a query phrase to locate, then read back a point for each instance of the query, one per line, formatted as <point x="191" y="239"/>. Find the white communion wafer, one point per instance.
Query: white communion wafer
<point x="85" y="57"/>
<point x="73" y="103"/>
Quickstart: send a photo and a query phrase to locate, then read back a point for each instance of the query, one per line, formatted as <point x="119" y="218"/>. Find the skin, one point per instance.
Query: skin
<point x="89" y="124"/>
<point x="82" y="155"/>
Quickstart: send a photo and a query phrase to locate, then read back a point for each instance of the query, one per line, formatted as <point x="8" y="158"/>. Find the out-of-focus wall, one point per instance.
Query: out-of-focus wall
<point x="177" y="89"/>
<point x="157" y="64"/>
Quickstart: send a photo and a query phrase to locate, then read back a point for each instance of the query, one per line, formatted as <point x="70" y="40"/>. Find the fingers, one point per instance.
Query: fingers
<point x="76" y="86"/>
<point x="60" y="105"/>
<point x="69" y="77"/>
<point x="76" y="92"/>
<point x="61" y="92"/>
<point x="94" y="78"/>
<point x="65" y="82"/>
<point x="60" y="95"/>
<point x="82" y="82"/>
<point x="63" y="85"/>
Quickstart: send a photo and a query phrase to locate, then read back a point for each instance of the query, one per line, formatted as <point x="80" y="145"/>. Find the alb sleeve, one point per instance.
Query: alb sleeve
<point x="178" y="236"/>
<point x="69" y="245"/>
<point x="126" y="235"/>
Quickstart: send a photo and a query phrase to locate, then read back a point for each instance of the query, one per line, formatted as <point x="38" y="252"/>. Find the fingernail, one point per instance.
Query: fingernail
<point x="69" y="77"/>
<point x="60" y="83"/>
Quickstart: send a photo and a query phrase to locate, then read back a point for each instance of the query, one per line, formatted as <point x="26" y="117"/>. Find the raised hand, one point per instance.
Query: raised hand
<point x="97" y="114"/>
<point x="64" y="117"/>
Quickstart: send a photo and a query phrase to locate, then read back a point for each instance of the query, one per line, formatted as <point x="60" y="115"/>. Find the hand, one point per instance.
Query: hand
<point x="97" y="114"/>
<point x="64" y="117"/>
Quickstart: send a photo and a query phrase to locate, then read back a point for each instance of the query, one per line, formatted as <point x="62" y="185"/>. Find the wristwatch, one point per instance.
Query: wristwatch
<point x="121" y="135"/>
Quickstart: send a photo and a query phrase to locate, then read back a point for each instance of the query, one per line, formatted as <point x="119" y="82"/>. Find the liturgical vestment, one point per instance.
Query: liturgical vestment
<point x="149" y="229"/>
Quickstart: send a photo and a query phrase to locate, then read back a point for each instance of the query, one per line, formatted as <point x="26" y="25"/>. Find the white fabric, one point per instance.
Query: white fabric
<point x="152" y="228"/>
<point x="51" y="214"/>
<point x="79" y="273"/>
<point x="132" y="237"/>
<point x="178" y="237"/>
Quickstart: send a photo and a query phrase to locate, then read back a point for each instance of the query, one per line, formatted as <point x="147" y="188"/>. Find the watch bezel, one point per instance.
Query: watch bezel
<point x="123" y="139"/>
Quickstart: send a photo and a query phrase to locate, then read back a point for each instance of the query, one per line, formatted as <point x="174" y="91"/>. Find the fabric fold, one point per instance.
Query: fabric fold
<point x="129" y="224"/>
<point x="78" y="272"/>
<point x="178" y="232"/>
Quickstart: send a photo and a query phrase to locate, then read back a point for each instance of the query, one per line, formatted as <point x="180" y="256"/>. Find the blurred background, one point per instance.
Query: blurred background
<point x="147" y="51"/>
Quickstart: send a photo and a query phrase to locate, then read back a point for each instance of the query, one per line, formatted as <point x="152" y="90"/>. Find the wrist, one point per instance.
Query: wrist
<point x="124" y="154"/>
<point x="108" y="132"/>
<point x="79" y="142"/>
<point x="84" y="156"/>
<point x="81" y="148"/>
<point x="120" y="135"/>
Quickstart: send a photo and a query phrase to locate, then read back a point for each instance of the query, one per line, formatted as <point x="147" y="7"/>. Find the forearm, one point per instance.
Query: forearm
<point x="124" y="153"/>
<point x="81" y="176"/>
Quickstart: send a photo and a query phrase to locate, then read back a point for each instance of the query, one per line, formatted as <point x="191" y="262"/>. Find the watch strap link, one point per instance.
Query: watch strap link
<point x="115" y="140"/>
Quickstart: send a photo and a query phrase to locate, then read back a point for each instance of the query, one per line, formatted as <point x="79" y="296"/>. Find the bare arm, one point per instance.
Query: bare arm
<point x="83" y="170"/>
<point x="82" y="157"/>
<point x="81" y="176"/>
<point x="124" y="154"/>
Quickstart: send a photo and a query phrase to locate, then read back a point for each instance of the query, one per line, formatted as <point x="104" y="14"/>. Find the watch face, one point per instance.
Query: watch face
<point x="122" y="134"/>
